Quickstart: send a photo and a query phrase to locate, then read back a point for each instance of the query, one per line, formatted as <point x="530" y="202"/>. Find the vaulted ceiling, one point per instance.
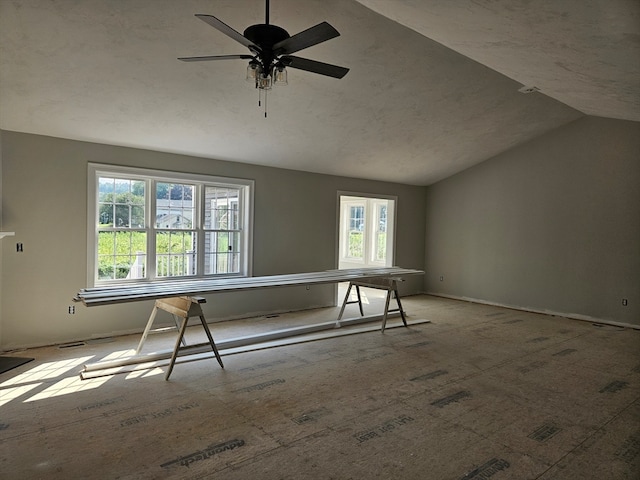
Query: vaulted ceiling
<point x="433" y="86"/>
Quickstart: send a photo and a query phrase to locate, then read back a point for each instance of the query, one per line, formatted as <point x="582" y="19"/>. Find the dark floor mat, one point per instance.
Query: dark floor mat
<point x="8" y="363"/>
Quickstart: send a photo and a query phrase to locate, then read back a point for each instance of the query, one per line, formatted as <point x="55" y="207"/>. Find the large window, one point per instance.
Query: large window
<point x="149" y="225"/>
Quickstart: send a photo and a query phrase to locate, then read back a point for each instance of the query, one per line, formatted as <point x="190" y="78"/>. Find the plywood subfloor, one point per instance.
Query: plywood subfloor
<point x="480" y="392"/>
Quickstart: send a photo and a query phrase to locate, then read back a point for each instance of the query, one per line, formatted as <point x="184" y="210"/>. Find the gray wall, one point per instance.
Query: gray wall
<point x="44" y="201"/>
<point x="552" y="225"/>
<point x="1" y="242"/>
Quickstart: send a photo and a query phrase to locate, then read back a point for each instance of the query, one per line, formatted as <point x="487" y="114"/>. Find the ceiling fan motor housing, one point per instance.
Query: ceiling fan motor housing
<point x="266" y="36"/>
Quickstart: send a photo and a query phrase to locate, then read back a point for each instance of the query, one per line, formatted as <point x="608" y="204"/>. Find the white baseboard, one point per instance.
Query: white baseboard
<point x="573" y="316"/>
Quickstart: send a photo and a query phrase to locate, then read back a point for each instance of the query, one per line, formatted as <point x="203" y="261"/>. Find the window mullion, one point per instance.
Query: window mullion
<point x="240" y="226"/>
<point x="200" y="235"/>
<point x="150" y="229"/>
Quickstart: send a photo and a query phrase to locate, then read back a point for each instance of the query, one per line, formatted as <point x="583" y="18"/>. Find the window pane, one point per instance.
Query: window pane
<point x="106" y="186"/>
<point x="382" y="218"/>
<point x="356" y="218"/>
<point x="121" y="255"/>
<point x="122" y="216"/>
<point x="175" y="254"/>
<point x="221" y="208"/>
<point x="356" y="232"/>
<point x="116" y="200"/>
<point x="137" y="216"/>
<point x="355" y="245"/>
<point x="380" y="247"/>
<point x="222" y="252"/>
<point x="174" y="205"/>
<point x="105" y="217"/>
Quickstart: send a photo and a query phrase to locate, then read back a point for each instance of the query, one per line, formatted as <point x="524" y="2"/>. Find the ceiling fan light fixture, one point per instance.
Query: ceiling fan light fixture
<point x="280" y="76"/>
<point x="253" y="72"/>
<point x="264" y="82"/>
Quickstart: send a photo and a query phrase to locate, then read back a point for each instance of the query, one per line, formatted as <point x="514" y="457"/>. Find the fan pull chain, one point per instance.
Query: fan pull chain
<point x="260" y="100"/>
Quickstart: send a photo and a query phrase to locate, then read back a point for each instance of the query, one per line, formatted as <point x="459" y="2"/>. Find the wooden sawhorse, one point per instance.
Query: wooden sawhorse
<point x="389" y="284"/>
<point x="181" y="308"/>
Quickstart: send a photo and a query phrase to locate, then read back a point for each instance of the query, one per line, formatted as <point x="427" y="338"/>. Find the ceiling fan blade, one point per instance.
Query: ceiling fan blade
<point x="215" y="57"/>
<point x="227" y="30"/>
<point x="307" y="38"/>
<point x="313" y="66"/>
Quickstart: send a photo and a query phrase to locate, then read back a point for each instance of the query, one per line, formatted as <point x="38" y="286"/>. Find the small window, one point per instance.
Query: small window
<point x="366" y="231"/>
<point x="148" y="225"/>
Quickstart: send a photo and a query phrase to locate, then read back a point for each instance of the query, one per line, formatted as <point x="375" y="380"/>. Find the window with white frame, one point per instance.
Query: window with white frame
<point x="149" y="225"/>
<point x="366" y="231"/>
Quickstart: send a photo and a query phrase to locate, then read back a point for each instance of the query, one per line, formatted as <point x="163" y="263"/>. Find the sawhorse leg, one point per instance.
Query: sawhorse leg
<point x="147" y="328"/>
<point x="393" y="290"/>
<point x="210" y="337"/>
<point x="183" y="327"/>
<point x="347" y="301"/>
<point x="176" y="348"/>
<point x="152" y="317"/>
<point x="176" y="320"/>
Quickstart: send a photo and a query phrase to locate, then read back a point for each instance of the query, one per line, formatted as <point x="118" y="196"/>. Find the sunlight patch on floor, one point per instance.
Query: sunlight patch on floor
<point x="46" y="371"/>
<point x="68" y="385"/>
<point x="8" y="394"/>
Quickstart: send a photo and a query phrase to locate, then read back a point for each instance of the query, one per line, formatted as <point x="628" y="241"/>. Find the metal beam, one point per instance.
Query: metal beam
<point x="162" y="289"/>
<point x="241" y="345"/>
<point x="232" y="343"/>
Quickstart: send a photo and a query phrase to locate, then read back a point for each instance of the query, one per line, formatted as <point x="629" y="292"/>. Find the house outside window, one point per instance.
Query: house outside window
<point x="148" y="225"/>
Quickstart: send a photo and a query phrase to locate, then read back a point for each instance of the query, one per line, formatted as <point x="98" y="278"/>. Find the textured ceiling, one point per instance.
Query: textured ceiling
<point x="433" y="86"/>
<point x="583" y="53"/>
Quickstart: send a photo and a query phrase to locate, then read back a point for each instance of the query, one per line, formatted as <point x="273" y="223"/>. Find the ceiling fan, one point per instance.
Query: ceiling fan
<point x="271" y="48"/>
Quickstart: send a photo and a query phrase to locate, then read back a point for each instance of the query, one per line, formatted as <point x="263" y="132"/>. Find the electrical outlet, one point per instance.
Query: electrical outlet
<point x="624" y="302"/>
<point x="72" y="309"/>
<point x="19" y="247"/>
<point x="442" y="278"/>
